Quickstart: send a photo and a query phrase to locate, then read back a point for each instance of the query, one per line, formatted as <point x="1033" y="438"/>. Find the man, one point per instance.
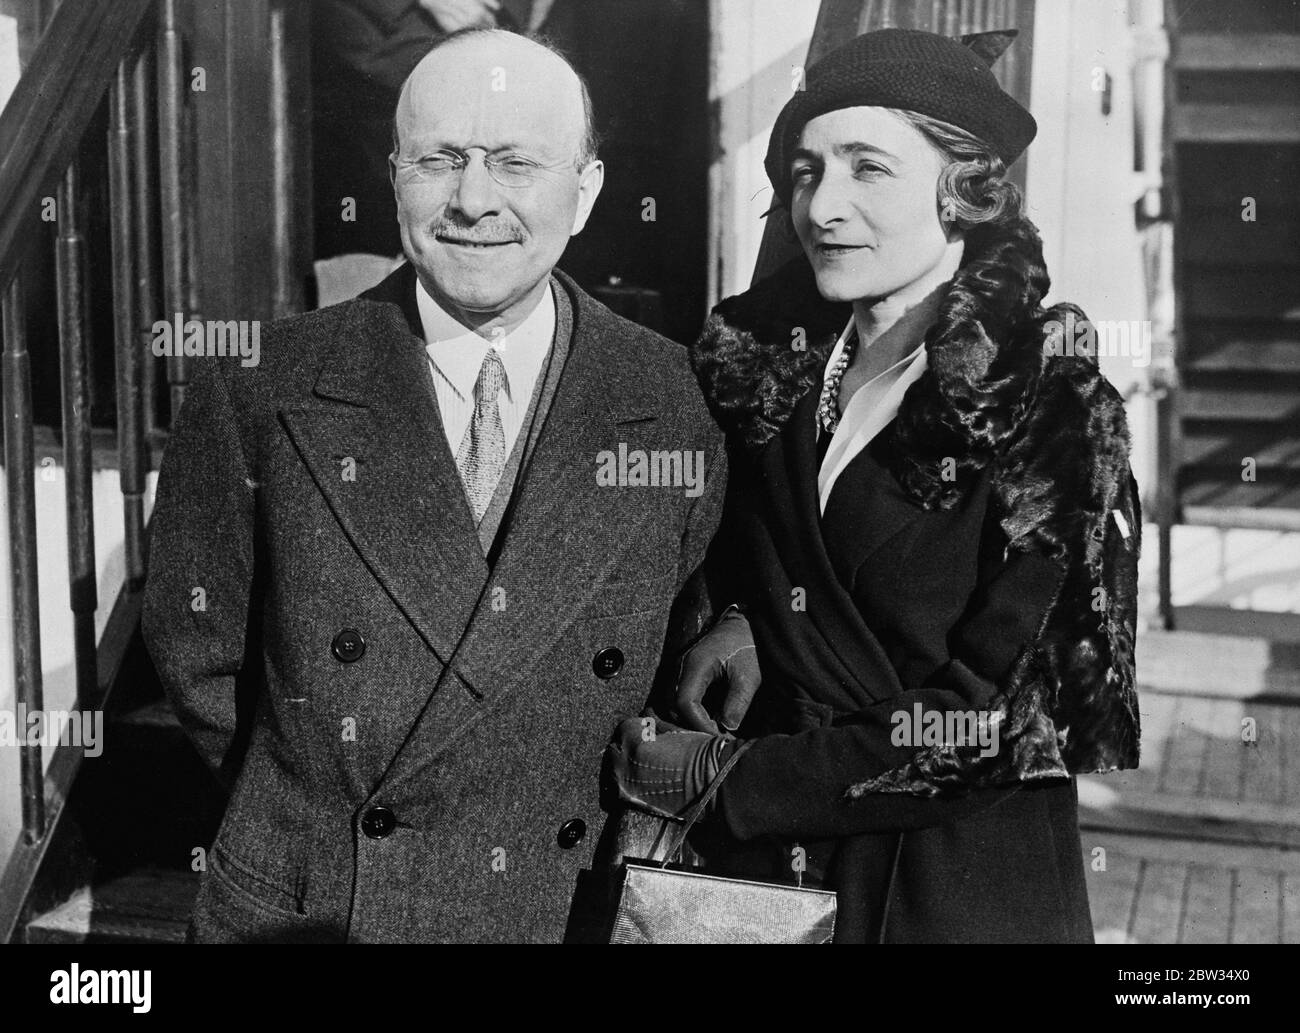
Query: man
<point x="413" y="558"/>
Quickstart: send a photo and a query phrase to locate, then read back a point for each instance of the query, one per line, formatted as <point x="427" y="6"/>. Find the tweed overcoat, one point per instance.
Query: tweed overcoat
<point x="413" y="735"/>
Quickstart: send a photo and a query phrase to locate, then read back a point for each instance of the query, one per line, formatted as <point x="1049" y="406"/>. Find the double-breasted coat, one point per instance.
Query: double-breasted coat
<point x="412" y="733"/>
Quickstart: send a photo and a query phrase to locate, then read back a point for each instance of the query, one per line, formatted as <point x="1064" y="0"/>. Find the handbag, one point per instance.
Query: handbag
<point x="658" y="904"/>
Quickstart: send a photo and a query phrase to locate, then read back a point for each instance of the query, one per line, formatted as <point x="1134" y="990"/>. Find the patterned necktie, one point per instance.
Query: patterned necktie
<point x="482" y="453"/>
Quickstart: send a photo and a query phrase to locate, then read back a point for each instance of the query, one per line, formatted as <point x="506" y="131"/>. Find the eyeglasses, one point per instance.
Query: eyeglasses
<point x="510" y="169"/>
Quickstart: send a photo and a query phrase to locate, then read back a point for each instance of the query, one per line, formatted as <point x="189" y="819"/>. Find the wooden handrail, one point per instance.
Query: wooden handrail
<point x="125" y="55"/>
<point x="42" y="125"/>
<point x="86" y="50"/>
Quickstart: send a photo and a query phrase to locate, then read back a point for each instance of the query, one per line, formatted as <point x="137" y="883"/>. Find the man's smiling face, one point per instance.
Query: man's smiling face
<point x="484" y="250"/>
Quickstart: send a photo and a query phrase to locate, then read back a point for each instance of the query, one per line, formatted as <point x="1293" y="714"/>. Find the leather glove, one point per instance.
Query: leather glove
<point x="662" y="769"/>
<point x="727" y="652"/>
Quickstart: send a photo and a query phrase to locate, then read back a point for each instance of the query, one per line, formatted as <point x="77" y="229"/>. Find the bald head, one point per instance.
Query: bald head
<point x="509" y="73"/>
<point x="492" y="173"/>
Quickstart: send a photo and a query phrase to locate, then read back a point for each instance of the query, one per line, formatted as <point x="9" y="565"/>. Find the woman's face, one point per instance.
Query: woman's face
<point x="864" y="203"/>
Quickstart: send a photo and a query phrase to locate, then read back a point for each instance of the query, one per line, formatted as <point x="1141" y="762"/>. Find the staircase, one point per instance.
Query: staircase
<point x="1234" y="128"/>
<point x="121" y="867"/>
<point x="126" y="195"/>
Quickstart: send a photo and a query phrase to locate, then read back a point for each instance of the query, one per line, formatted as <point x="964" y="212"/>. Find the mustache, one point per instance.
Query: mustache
<point x="478" y="232"/>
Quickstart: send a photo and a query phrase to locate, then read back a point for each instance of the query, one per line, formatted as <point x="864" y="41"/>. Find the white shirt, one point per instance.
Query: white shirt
<point x="872" y="406"/>
<point x="456" y="355"/>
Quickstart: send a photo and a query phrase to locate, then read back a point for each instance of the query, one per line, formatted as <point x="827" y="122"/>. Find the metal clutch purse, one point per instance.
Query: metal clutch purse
<point x="659" y="904"/>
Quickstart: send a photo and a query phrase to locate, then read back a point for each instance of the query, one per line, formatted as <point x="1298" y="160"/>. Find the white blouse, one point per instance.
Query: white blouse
<point x="872" y="406"/>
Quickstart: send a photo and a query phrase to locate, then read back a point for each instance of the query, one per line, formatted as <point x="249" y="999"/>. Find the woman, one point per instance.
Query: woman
<point x="932" y="531"/>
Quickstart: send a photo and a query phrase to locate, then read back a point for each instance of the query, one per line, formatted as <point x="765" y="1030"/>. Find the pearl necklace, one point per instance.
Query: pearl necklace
<point x="828" y="409"/>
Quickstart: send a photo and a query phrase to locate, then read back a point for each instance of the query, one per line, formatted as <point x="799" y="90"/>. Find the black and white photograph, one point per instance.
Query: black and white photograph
<point x="651" y="471"/>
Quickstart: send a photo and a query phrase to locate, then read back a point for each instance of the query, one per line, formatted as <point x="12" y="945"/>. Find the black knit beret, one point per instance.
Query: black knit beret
<point x="911" y="70"/>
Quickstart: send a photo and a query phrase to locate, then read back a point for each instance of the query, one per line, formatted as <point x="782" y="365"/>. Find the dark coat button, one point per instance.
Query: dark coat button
<point x="348" y="646"/>
<point x="378" y="822"/>
<point x="571" y="833"/>
<point x="608" y="662"/>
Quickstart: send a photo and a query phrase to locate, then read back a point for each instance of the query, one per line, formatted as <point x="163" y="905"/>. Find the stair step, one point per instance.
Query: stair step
<point x="1187" y="817"/>
<point x="149" y="729"/>
<point x="1246" y="518"/>
<point x="1264" y="51"/>
<point x="1217" y="505"/>
<point x="1249" y="89"/>
<point x="1246" y="355"/>
<point x="151" y="905"/>
<point x="1245" y="406"/>
<point x="1277" y="627"/>
<point x="1223" y="450"/>
<point x="1217" y="177"/>
<point x="1210" y="236"/>
<point x="1235" y="123"/>
<point x="158" y="714"/>
<point x="1220" y="498"/>
<point x="1213" y="292"/>
<point x="1207" y="663"/>
<point x="1239" y="16"/>
<point x="129" y="816"/>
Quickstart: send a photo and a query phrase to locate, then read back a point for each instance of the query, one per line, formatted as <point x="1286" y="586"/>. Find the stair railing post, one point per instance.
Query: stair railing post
<point x="74" y="375"/>
<point x="130" y="403"/>
<point x="172" y="189"/>
<point x="145" y="184"/>
<point x="25" y="600"/>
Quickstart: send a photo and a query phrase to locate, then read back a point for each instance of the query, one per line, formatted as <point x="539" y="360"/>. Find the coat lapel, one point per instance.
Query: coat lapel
<point x="405" y="510"/>
<point x="547" y="557"/>
<point x="791" y="462"/>
<point x="867" y="508"/>
<point x="557" y="547"/>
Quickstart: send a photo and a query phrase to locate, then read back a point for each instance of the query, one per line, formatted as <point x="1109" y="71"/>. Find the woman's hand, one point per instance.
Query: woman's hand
<point x="660" y="768"/>
<point x="727" y="652"/>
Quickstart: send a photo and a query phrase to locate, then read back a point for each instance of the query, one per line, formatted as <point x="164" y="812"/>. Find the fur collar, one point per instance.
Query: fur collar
<point x="761" y="351"/>
<point x="999" y="392"/>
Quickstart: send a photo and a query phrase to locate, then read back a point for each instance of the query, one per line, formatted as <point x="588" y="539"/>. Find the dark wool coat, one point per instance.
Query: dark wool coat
<point x="979" y="556"/>
<point x="384" y="790"/>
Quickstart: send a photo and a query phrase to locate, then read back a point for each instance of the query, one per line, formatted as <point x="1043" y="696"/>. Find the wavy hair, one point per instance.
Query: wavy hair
<point x="973" y="187"/>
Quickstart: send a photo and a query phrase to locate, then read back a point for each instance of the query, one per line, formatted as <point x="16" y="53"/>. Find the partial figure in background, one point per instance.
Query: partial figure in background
<point x="362" y="52"/>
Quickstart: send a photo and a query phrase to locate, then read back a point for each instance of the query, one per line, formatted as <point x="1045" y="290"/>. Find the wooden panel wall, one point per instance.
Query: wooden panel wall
<point x="235" y="194"/>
